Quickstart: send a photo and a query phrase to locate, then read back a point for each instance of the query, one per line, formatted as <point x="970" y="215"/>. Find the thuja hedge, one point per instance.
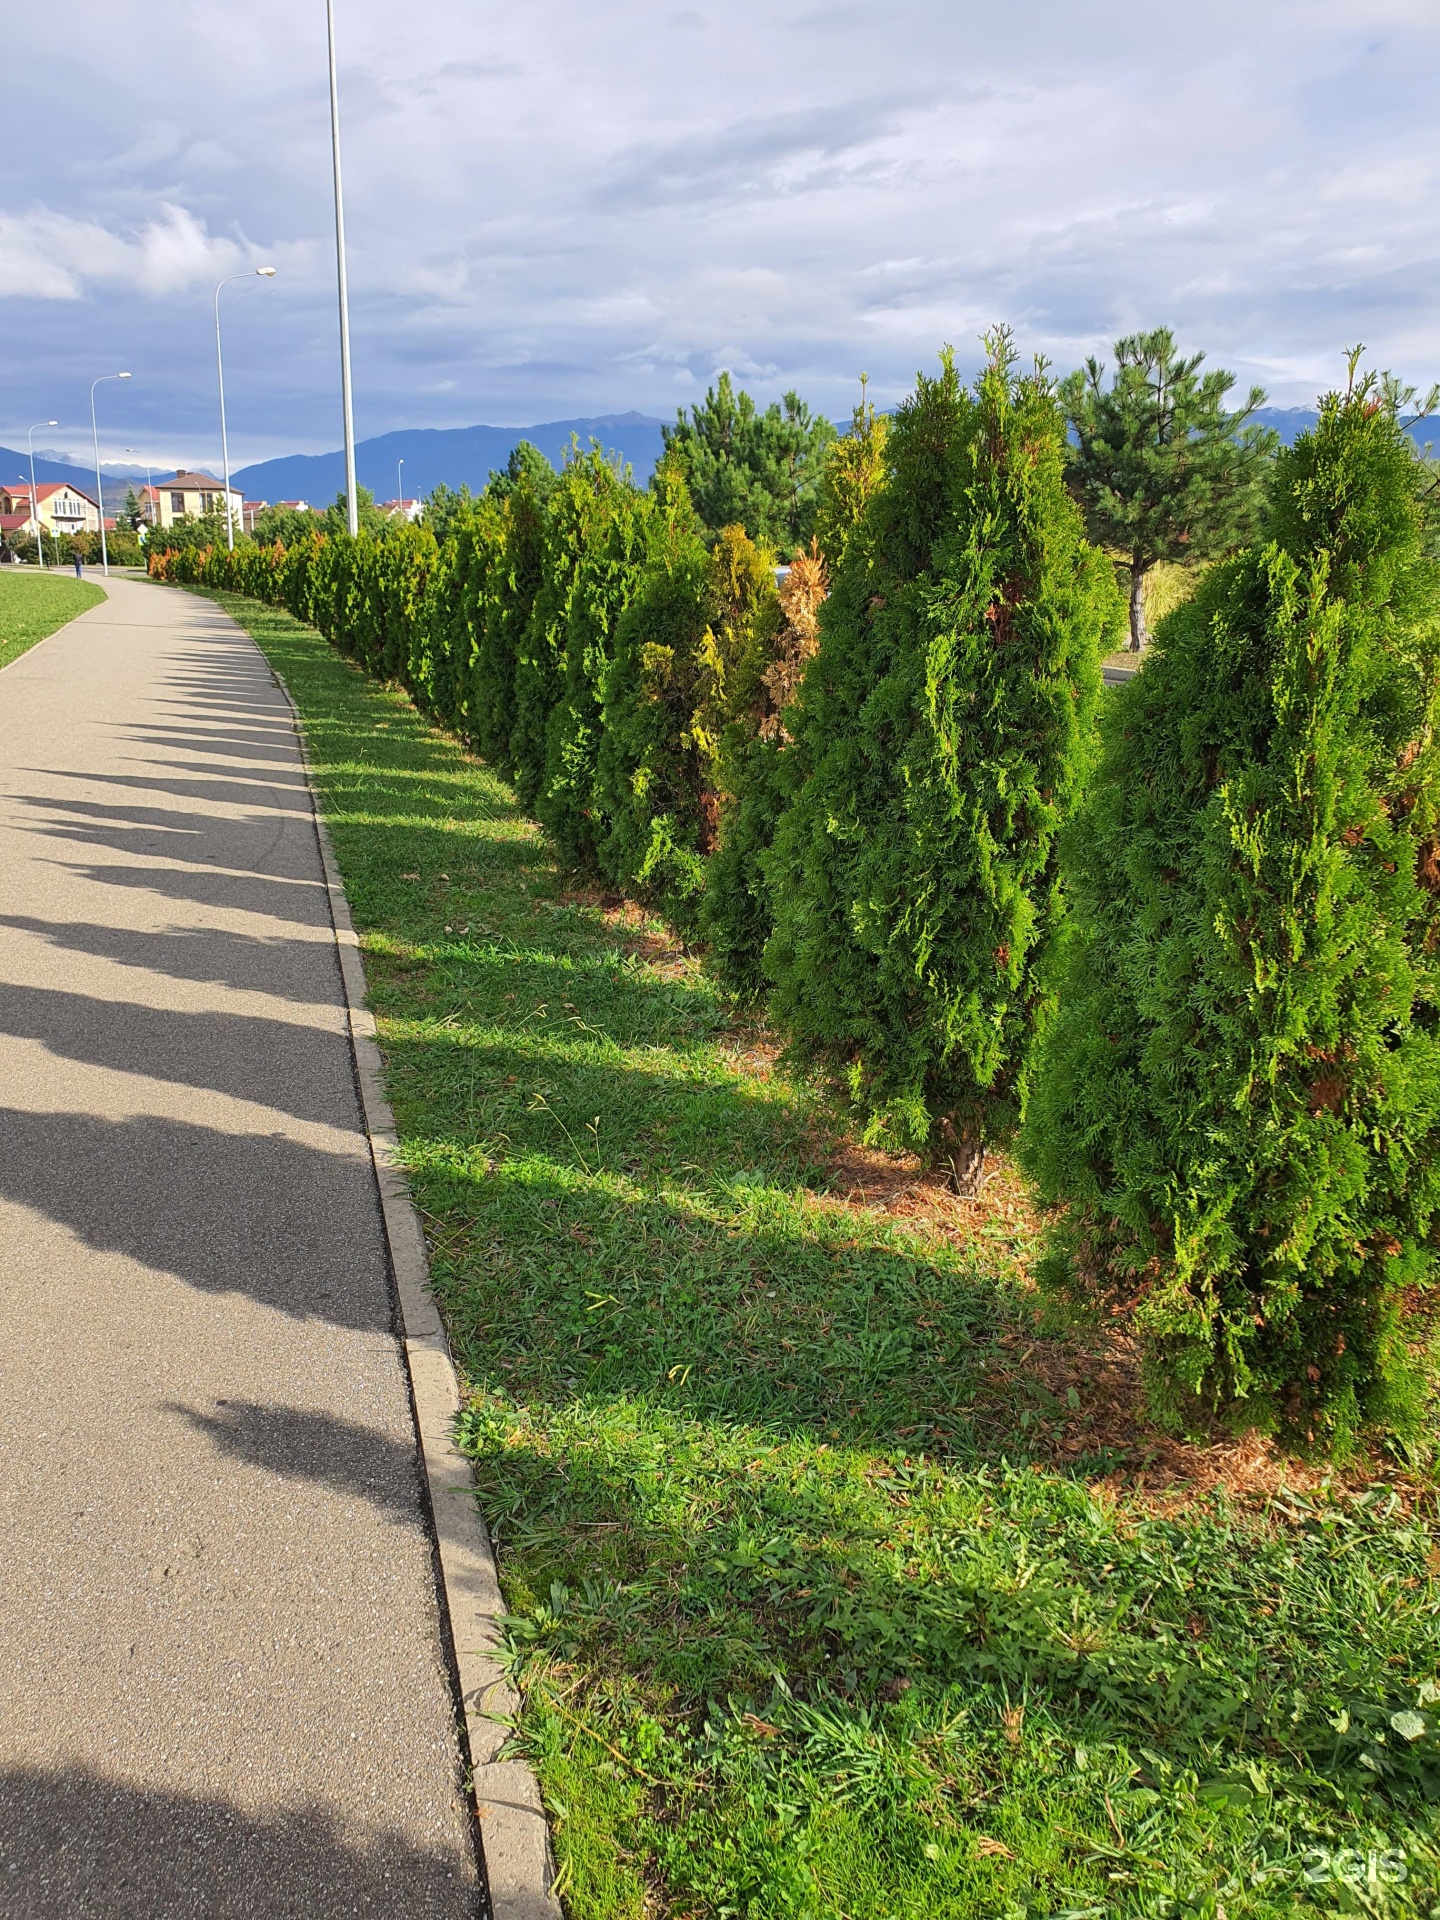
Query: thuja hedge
<point x="1239" y="1105"/>
<point x="860" y="790"/>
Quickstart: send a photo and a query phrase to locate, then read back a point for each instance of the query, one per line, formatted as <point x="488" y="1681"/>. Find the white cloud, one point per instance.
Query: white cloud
<point x="52" y="256"/>
<point x="548" y="215"/>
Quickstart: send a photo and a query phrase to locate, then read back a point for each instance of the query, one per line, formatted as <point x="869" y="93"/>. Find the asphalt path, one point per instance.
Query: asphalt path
<point x="222" y="1685"/>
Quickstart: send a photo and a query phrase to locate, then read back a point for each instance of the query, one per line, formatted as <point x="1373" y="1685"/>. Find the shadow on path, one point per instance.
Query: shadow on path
<point x="319" y="1447"/>
<point x="291" y="1227"/>
<point x="76" y="1846"/>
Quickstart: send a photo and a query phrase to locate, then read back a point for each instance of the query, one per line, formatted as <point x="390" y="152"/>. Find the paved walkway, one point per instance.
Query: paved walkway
<point x="221" y="1684"/>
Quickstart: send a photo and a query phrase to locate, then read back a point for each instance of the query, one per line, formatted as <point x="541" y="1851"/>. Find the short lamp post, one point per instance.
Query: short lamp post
<point x="34" y="497"/>
<point x="263" y="273"/>
<point x="99" y="484"/>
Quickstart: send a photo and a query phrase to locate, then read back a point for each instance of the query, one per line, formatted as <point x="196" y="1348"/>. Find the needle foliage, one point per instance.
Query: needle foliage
<point x="944" y="729"/>
<point x="1240" y="1100"/>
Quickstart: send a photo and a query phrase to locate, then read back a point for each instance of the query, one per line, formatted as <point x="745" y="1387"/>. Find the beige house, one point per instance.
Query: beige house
<point x="59" y="508"/>
<point x="188" y="495"/>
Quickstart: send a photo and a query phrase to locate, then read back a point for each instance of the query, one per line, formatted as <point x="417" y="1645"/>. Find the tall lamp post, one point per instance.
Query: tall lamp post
<point x="400" y="487"/>
<point x="99" y="483"/>
<point x="263" y="273"/>
<point x="352" y="505"/>
<point x="34" y="502"/>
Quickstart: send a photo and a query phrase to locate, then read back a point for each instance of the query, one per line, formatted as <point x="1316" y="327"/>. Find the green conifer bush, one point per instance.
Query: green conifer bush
<point x="575" y="512"/>
<point x="944" y="733"/>
<point x="621" y="527"/>
<point x="508" y="537"/>
<point x="736" y="918"/>
<point x="690" y="654"/>
<point x="1240" y="1098"/>
<point x="442" y="644"/>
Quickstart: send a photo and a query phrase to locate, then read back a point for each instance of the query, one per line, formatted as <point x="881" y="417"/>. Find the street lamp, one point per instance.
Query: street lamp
<point x="99" y="483"/>
<point x="400" y="488"/>
<point x="352" y="505"/>
<point x="34" y="502"/>
<point x="264" y="273"/>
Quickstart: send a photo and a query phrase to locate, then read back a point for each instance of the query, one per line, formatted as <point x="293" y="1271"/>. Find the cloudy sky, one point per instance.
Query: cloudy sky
<point x="559" y="209"/>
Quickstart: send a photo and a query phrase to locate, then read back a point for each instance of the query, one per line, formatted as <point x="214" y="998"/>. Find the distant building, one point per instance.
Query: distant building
<point x="403" y="509"/>
<point x="187" y="495"/>
<point x="57" y="506"/>
<point x="295" y="506"/>
<point x="250" y="512"/>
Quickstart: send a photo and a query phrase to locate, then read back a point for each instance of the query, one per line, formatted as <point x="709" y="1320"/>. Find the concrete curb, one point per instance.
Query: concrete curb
<point x="519" y="1868"/>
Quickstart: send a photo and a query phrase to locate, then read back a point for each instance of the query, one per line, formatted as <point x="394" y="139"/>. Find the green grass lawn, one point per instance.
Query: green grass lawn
<point x="837" y="1589"/>
<point x="33" y="605"/>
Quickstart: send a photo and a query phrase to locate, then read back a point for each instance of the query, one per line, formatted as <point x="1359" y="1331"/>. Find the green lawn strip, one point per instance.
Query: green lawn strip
<point x="804" y="1628"/>
<point x="33" y="605"/>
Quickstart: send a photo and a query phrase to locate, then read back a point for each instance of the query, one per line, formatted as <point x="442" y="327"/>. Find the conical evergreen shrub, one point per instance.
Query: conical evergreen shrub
<point x="1240" y="1099"/>
<point x="508" y="553"/>
<point x="690" y="654"/>
<point x="737" y="919"/>
<point x="574" y="511"/>
<point x="944" y="732"/>
<point x="623" y="527"/>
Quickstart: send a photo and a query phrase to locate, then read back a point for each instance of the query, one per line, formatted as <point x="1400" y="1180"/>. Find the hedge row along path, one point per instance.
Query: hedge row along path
<point x="840" y="1590"/>
<point x="224" y="1689"/>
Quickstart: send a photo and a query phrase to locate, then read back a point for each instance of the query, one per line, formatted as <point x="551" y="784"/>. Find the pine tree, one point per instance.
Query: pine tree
<point x="1240" y="1100"/>
<point x="1161" y="470"/>
<point x="943" y="733"/>
<point x="752" y="469"/>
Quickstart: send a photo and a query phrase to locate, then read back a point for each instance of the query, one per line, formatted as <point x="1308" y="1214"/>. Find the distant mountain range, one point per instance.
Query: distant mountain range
<point x="466" y="456"/>
<point x="52" y="468"/>
<point x="1291" y="422"/>
<point x="452" y="456"/>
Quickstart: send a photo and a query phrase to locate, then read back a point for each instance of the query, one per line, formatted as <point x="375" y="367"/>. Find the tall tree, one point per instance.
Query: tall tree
<point x="943" y="734"/>
<point x="1239" y="1104"/>
<point x="1160" y="468"/>
<point x="752" y="469"/>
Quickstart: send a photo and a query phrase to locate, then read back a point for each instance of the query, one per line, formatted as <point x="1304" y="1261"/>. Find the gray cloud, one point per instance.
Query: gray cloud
<point x="557" y="210"/>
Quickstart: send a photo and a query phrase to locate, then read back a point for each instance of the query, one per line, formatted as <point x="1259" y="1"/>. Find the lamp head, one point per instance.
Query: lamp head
<point x="266" y="273"/>
<point x="50" y="423"/>
<point x="122" y="376"/>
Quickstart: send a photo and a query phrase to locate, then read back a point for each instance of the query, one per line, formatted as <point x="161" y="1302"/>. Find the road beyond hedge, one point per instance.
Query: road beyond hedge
<point x="222" y="1689"/>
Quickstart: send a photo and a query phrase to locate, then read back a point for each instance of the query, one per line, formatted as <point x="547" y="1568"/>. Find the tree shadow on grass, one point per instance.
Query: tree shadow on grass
<point x="76" y="1845"/>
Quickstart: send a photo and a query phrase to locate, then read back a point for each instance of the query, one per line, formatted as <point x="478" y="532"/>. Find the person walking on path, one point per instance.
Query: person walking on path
<point x="223" y="1690"/>
<point x="79" y="566"/>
